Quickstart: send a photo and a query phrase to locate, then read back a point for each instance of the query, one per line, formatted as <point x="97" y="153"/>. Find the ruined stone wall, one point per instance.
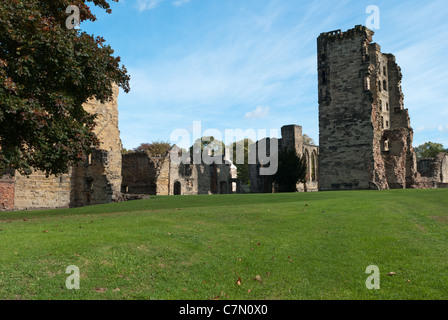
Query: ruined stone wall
<point x="292" y="138"/>
<point x="99" y="179"/>
<point x="434" y="171"/>
<point x="346" y="134"/>
<point x="139" y="173"/>
<point x="7" y="190"/>
<point x="259" y="183"/>
<point x="397" y="137"/>
<point x="365" y="133"/>
<point x="161" y="176"/>
<point x="201" y="178"/>
<point x="444" y="169"/>
<point x="311" y="153"/>
<point x="187" y="177"/>
<point x="37" y="191"/>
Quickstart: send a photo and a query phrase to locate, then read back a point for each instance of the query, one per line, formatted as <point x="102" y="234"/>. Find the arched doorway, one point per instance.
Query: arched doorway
<point x="177" y="188"/>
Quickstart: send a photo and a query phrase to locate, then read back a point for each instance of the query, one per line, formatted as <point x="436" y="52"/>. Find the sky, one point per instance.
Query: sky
<point x="252" y="64"/>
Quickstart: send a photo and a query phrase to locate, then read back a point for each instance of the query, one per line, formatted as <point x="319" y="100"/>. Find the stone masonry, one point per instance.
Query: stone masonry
<point x="96" y="181"/>
<point x="364" y="131"/>
<point x="292" y="138"/>
<point x="434" y="171"/>
<point x="159" y="175"/>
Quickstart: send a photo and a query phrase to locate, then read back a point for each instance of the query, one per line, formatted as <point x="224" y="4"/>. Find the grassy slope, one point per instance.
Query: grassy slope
<point x="303" y="246"/>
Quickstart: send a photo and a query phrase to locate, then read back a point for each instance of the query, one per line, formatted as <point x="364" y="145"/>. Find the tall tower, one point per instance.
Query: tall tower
<point x="292" y="138"/>
<point x="364" y="132"/>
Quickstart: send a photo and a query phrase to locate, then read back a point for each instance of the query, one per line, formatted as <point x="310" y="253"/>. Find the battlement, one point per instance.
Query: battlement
<point x="358" y="30"/>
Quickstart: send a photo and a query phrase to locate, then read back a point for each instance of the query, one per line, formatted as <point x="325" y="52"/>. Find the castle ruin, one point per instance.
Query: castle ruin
<point x="160" y="175"/>
<point x="365" y="141"/>
<point x="292" y="138"/>
<point x="95" y="181"/>
<point x="365" y="135"/>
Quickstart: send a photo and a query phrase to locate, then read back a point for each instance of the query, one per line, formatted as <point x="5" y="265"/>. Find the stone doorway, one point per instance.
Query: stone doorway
<point x="177" y="188"/>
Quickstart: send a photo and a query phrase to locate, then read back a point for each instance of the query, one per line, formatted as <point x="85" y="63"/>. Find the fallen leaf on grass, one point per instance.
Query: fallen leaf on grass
<point x="115" y="290"/>
<point x="391" y="274"/>
<point x="258" y="278"/>
<point x="239" y="281"/>
<point x="100" y="290"/>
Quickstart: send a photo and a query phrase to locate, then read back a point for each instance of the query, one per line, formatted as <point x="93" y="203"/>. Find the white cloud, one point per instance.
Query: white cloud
<point x="259" y="112"/>
<point x="179" y="3"/>
<point x="147" y="4"/>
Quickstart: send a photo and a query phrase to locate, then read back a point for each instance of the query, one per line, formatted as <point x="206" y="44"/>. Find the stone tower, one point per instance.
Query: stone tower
<point x="292" y="138"/>
<point x="98" y="180"/>
<point x="365" y="135"/>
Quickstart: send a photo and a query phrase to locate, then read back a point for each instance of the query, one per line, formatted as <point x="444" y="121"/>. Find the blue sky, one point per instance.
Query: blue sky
<point x="251" y="64"/>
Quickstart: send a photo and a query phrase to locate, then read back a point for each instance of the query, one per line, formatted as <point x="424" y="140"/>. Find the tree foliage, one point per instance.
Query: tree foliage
<point x="47" y="72"/>
<point x="308" y="140"/>
<point x="429" y="150"/>
<point x="156" y="148"/>
<point x="291" y="170"/>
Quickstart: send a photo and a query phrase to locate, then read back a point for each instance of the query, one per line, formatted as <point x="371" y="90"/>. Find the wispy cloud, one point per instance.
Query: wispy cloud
<point x="143" y="5"/>
<point x="259" y="112"/>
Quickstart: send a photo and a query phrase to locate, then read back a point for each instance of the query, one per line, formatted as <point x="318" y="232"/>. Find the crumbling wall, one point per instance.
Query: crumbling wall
<point x="434" y="171"/>
<point x="311" y="153"/>
<point x="7" y="190"/>
<point x="139" y="172"/>
<point x="365" y="133"/>
<point x="37" y="191"/>
<point x="346" y="107"/>
<point x="99" y="179"/>
<point x="292" y="138"/>
<point x="162" y="176"/>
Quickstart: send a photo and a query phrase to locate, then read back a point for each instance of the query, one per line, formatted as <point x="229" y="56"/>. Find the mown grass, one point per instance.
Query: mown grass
<point x="256" y="246"/>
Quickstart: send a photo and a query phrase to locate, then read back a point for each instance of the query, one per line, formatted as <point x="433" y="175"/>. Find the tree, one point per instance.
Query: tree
<point x="308" y="140"/>
<point x="291" y="170"/>
<point x="155" y="148"/>
<point x="242" y="168"/>
<point x="47" y="72"/>
<point x="429" y="150"/>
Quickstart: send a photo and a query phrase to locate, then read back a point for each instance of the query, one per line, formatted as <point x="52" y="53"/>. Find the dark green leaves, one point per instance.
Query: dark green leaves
<point x="47" y="72"/>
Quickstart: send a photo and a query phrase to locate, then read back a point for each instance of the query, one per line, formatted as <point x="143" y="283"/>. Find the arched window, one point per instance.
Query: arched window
<point x="379" y="86"/>
<point x="308" y="164"/>
<point x="385" y="85"/>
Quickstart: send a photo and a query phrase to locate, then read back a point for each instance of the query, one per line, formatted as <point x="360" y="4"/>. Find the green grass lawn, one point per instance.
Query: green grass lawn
<point x="256" y="246"/>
